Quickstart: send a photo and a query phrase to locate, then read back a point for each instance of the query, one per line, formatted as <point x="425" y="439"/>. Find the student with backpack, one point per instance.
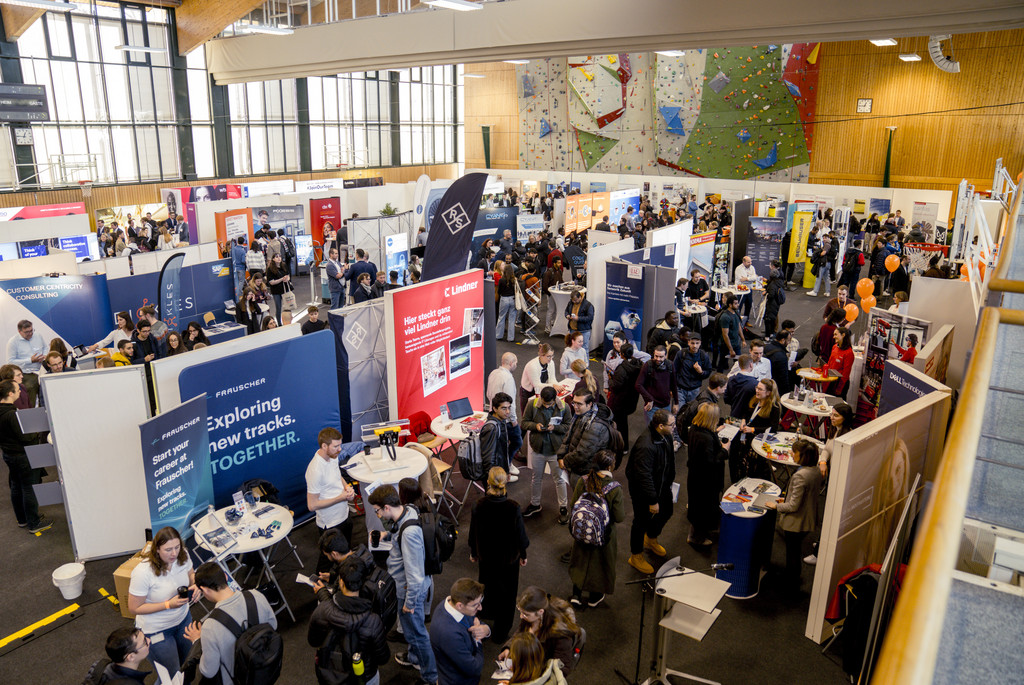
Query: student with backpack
<point x="239" y="636"/>
<point x="596" y="506"/>
<point x="650" y="471"/>
<point x="126" y="649"/>
<point x="406" y="564"/>
<point x="378" y="587"/>
<point x="349" y="636"/>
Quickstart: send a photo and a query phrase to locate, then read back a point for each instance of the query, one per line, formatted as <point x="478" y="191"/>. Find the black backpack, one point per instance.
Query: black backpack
<point x="95" y="675"/>
<point x="259" y="650"/>
<point x="379" y="587"/>
<point x="850" y="262"/>
<point x="333" y="660"/>
<point x="439" y="534"/>
<point x="287" y="251"/>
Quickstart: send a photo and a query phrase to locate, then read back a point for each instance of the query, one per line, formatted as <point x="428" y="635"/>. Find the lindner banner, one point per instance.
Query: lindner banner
<point x="451" y="231"/>
<point x="265" y="410"/>
<point x="176" y="449"/>
<point x="624" y="303"/>
<point x="437" y="353"/>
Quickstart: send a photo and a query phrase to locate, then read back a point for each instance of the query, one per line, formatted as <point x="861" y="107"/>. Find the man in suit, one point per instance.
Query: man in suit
<point x="362" y="265"/>
<point x="456" y="634"/>
<point x="602" y="225"/>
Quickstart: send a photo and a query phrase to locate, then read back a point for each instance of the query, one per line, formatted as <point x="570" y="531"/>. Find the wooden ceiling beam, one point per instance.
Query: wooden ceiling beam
<point x="200" y="20"/>
<point x="18" y="19"/>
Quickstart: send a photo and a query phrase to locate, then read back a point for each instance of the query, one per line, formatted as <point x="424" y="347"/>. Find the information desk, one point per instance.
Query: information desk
<point x="559" y="299"/>
<point x="219" y="332"/>
<point x="779" y="454"/>
<point x="378" y="468"/>
<point x="247" y="540"/>
<point x="745" y="539"/>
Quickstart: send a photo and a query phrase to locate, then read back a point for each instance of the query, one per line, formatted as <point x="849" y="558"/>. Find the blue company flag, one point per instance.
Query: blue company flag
<point x="170" y="290"/>
<point x="176" y="450"/>
<point x="451" y="230"/>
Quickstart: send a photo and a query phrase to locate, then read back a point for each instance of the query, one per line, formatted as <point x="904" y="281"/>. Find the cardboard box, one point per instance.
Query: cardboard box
<point x="123" y="578"/>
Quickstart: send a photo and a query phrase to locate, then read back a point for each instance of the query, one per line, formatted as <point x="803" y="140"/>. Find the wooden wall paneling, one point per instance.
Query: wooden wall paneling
<point x="492" y="101"/>
<point x="200" y="20"/>
<point x="18" y="19"/>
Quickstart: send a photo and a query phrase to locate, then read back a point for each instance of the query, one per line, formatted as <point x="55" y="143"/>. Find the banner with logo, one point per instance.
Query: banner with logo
<point x="420" y="196"/>
<point x="201" y="288"/>
<point x="169" y="287"/>
<point x="620" y="200"/>
<point x="887" y="331"/>
<point x="451" y="229"/>
<point x="925" y="217"/>
<point x="324" y="211"/>
<point x="319" y="184"/>
<point x="367" y="182"/>
<point x="764" y="241"/>
<point x="265" y="408"/>
<point x="902" y="384"/>
<point x="396" y="254"/>
<point x="232" y="224"/>
<point x="437" y="353"/>
<point x="800" y="223"/>
<point x="492" y="223"/>
<point x="73" y="308"/>
<point x="285" y="185"/>
<point x="176" y="450"/>
<point x="527" y="224"/>
<point x="601" y="204"/>
<point x="41" y="211"/>
<point x="624" y="303"/>
<point x="572" y="214"/>
<point x="702" y="253"/>
<point x="292" y="218"/>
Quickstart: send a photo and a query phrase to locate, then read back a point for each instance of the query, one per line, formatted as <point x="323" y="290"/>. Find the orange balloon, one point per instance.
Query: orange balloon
<point x="963" y="269"/>
<point x="892" y="262"/>
<point x="851" y="312"/>
<point x="865" y="287"/>
<point x="866" y="303"/>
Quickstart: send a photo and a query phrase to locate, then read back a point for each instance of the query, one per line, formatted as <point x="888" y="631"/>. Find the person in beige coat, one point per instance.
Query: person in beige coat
<point x="798" y="512"/>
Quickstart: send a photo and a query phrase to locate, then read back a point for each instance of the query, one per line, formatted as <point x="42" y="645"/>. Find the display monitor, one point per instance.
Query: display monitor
<point x="458" y="409"/>
<point x="33" y="248"/>
<point x="304" y="249"/>
<point x="84" y="246"/>
<point x="9" y="251"/>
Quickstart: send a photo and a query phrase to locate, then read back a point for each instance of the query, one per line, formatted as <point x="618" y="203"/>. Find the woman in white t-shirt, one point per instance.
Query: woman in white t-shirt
<point x="160" y="612"/>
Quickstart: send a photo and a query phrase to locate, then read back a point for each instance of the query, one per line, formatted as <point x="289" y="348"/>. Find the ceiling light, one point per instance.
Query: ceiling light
<point x="264" y="28"/>
<point x="138" y="48"/>
<point x="910" y="57"/>
<point x="883" y="42"/>
<point x="670" y="53"/>
<point x="460" y="5"/>
<point x="516" y="61"/>
<point x="473" y="76"/>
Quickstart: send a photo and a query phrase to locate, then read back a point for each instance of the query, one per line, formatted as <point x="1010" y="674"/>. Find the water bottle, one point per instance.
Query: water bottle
<point x="210" y="510"/>
<point x="357" y="664"/>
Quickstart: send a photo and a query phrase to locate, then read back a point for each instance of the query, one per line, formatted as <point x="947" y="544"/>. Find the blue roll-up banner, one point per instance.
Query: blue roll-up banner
<point x="74" y="308"/>
<point x="176" y="449"/>
<point x="492" y="223"/>
<point x="624" y="303"/>
<point x="202" y="288"/>
<point x="337" y="325"/>
<point x="451" y="231"/>
<point x="764" y="241"/>
<point x="265" y="409"/>
<point x="170" y="290"/>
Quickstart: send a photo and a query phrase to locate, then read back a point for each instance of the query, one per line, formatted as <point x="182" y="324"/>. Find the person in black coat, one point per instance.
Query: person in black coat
<point x="650" y="472"/>
<point x="775" y="297"/>
<point x="705" y="456"/>
<point x="775" y="352"/>
<point x="346" y="613"/>
<point x="741" y="387"/>
<point x="900" y="279"/>
<point x="622" y="392"/>
<point x="498" y="542"/>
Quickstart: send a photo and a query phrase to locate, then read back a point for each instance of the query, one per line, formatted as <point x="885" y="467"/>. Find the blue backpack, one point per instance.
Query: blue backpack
<point x="589" y="519"/>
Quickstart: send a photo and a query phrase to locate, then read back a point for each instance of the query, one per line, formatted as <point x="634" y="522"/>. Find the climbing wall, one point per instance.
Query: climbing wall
<point x="743" y="112"/>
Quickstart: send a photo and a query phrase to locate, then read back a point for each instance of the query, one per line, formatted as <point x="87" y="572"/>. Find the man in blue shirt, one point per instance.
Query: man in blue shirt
<point x="335" y="274"/>
<point x="405" y="564"/>
<point x="363" y="265"/>
<point x="238" y="251"/>
<point x="26" y="350"/>
<point x="456" y="634"/>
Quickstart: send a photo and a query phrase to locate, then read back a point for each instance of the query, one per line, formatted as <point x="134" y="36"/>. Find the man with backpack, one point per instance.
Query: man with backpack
<point x="239" y="636"/>
<point x="378" y="588"/>
<point x="287" y="249"/>
<point x="406" y="564"/>
<point x="496" y="435"/>
<point x="590" y="431"/>
<point x="350" y="638"/>
<point x="126" y="649"/>
<point x="853" y="261"/>
<point x="650" y="472"/>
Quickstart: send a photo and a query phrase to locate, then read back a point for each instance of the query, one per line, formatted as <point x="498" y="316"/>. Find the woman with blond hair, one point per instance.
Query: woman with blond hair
<point x="705" y="456"/>
<point x="765" y="412"/>
<point x="498" y="542"/>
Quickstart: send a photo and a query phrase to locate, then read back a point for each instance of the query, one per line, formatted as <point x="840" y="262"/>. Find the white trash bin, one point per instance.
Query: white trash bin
<point x="70" y="578"/>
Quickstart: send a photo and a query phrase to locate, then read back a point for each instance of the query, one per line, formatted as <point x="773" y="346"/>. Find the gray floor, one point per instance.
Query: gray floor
<point x="762" y="636"/>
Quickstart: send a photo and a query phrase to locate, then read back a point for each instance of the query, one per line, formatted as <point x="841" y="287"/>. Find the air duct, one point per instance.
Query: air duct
<point x="947" y="64"/>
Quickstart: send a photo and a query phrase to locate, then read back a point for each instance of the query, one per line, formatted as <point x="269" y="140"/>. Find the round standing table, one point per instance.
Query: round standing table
<point x="746" y="539"/>
<point x="453" y="429"/>
<point x="559" y="298"/>
<point x="815" y="415"/>
<point x="378" y="467"/>
<point x="779" y="454"/>
<point x="815" y="379"/>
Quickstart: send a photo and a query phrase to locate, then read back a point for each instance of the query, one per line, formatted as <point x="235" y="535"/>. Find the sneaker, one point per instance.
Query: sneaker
<point x="512" y="479"/>
<point x="576" y="601"/>
<point x="513" y="470"/>
<point x="811" y="559"/>
<point x="22" y="525"/>
<point x="563" y="515"/>
<point x="811" y="294"/>
<point x="44" y="524"/>
<point x="405" y="659"/>
<point x="638" y="562"/>
<point x="652" y="545"/>
<point x="595" y="600"/>
<point x="702" y="542"/>
<point x="396" y="636"/>
<point x="531" y="510"/>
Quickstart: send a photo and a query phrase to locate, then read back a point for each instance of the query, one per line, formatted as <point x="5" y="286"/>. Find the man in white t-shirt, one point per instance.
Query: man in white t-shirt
<point x="745" y="274"/>
<point x="326" y="493"/>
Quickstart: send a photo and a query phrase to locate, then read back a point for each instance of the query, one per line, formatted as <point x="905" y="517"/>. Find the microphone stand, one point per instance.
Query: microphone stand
<point x="647" y="585"/>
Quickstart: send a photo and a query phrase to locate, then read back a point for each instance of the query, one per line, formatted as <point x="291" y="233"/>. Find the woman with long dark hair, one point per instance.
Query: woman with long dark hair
<point x="175" y="345"/>
<point x="552" y="622"/>
<point x="125" y="327"/>
<point x="194" y="334"/>
<point x="592" y="568"/>
<point x="529" y="667"/>
<point x="840" y="361"/>
<point x="498" y="542"/>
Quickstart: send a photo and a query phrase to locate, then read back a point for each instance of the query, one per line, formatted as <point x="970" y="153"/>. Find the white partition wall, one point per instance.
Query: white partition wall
<point x="945" y="301"/>
<point x="94" y="424"/>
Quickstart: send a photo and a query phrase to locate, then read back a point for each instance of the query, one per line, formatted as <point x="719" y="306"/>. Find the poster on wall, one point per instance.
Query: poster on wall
<point x="620" y="201"/>
<point x="529" y="224"/>
<point x="73" y="308"/>
<point x="572" y="214"/>
<point x="41" y="211"/>
<point x="925" y="218"/>
<point x="176" y="450"/>
<point x="433" y="359"/>
<point x="202" y="287"/>
<point x="624" y="303"/>
<point x="902" y="384"/>
<point x="879" y="206"/>
<point x="702" y="253"/>
<point x="291" y="218"/>
<point x="764" y="242"/>
<point x="263" y="422"/>
<point x="324" y="211"/>
<point x="492" y="223"/>
<point x="232" y="224"/>
<point x="888" y="333"/>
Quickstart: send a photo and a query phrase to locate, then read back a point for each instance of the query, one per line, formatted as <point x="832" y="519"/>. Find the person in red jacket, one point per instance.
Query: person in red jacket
<point x="908" y="353"/>
<point x="841" y="361"/>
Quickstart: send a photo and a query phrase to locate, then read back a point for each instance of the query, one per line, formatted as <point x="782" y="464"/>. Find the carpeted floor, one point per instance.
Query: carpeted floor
<point x="760" y="640"/>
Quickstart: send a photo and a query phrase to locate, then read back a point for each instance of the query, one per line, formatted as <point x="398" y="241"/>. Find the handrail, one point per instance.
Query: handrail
<point x="912" y="639"/>
<point x="999" y="281"/>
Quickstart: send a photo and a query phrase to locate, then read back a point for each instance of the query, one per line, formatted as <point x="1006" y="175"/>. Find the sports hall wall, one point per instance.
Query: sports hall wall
<point x="929" y="151"/>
